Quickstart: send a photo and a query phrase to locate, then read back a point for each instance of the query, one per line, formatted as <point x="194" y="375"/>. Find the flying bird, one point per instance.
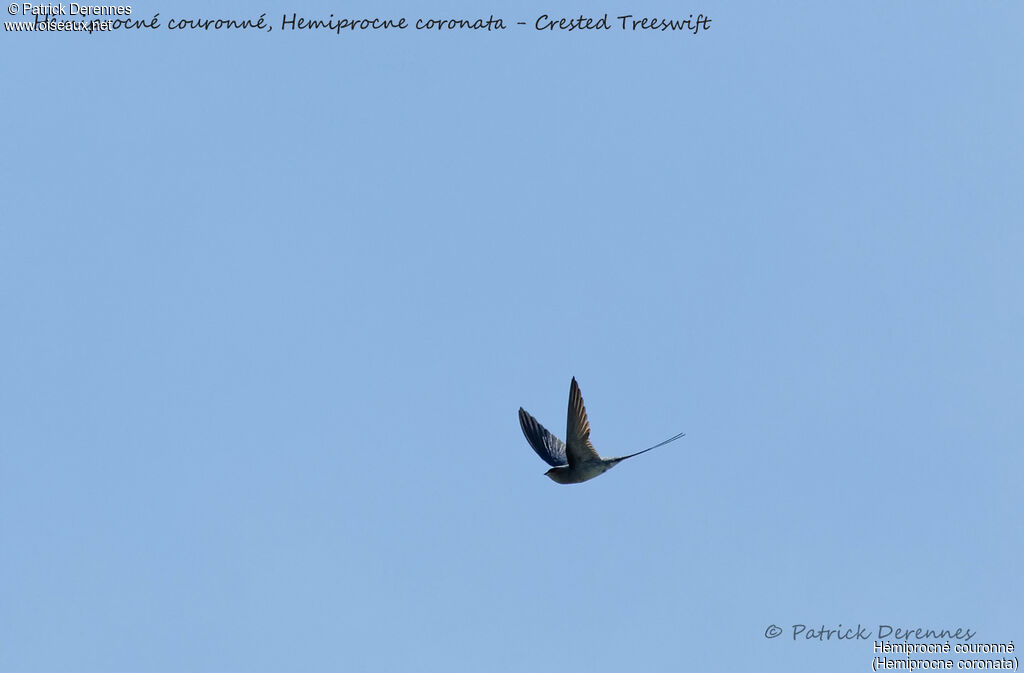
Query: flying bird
<point x="574" y="460"/>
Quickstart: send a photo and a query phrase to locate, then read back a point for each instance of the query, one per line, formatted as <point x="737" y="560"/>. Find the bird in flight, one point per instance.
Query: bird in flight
<point x="574" y="460"/>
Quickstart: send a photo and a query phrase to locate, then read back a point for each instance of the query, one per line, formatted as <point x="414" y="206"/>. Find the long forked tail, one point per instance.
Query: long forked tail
<point x="670" y="439"/>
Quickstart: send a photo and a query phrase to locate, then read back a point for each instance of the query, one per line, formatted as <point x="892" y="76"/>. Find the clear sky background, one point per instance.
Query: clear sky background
<point x="270" y="303"/>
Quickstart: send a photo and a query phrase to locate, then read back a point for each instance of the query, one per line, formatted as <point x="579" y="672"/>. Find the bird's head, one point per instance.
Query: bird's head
<point x="556" y="475"/>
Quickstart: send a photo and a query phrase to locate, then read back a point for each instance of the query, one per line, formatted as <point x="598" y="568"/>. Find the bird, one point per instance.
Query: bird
<point x="575" y="460"/>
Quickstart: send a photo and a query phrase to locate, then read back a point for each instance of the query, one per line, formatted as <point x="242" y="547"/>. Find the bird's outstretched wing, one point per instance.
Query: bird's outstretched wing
<point x="578" y="448"/>
<point x="547" y="446"/>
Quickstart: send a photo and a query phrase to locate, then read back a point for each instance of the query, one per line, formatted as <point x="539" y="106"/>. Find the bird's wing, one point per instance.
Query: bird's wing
<point x="578" y="448"/>
<point x="547" y="446"/>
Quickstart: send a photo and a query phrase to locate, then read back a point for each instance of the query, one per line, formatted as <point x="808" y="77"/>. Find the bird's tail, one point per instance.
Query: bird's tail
<point x="670" y="439"/>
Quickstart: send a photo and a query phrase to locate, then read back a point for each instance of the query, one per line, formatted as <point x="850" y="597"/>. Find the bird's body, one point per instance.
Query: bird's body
<point x="575" y="460"/>
<point x="564" y="474"/>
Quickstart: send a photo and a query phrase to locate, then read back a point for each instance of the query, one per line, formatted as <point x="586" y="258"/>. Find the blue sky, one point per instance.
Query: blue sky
<point x="271" y="302"/>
